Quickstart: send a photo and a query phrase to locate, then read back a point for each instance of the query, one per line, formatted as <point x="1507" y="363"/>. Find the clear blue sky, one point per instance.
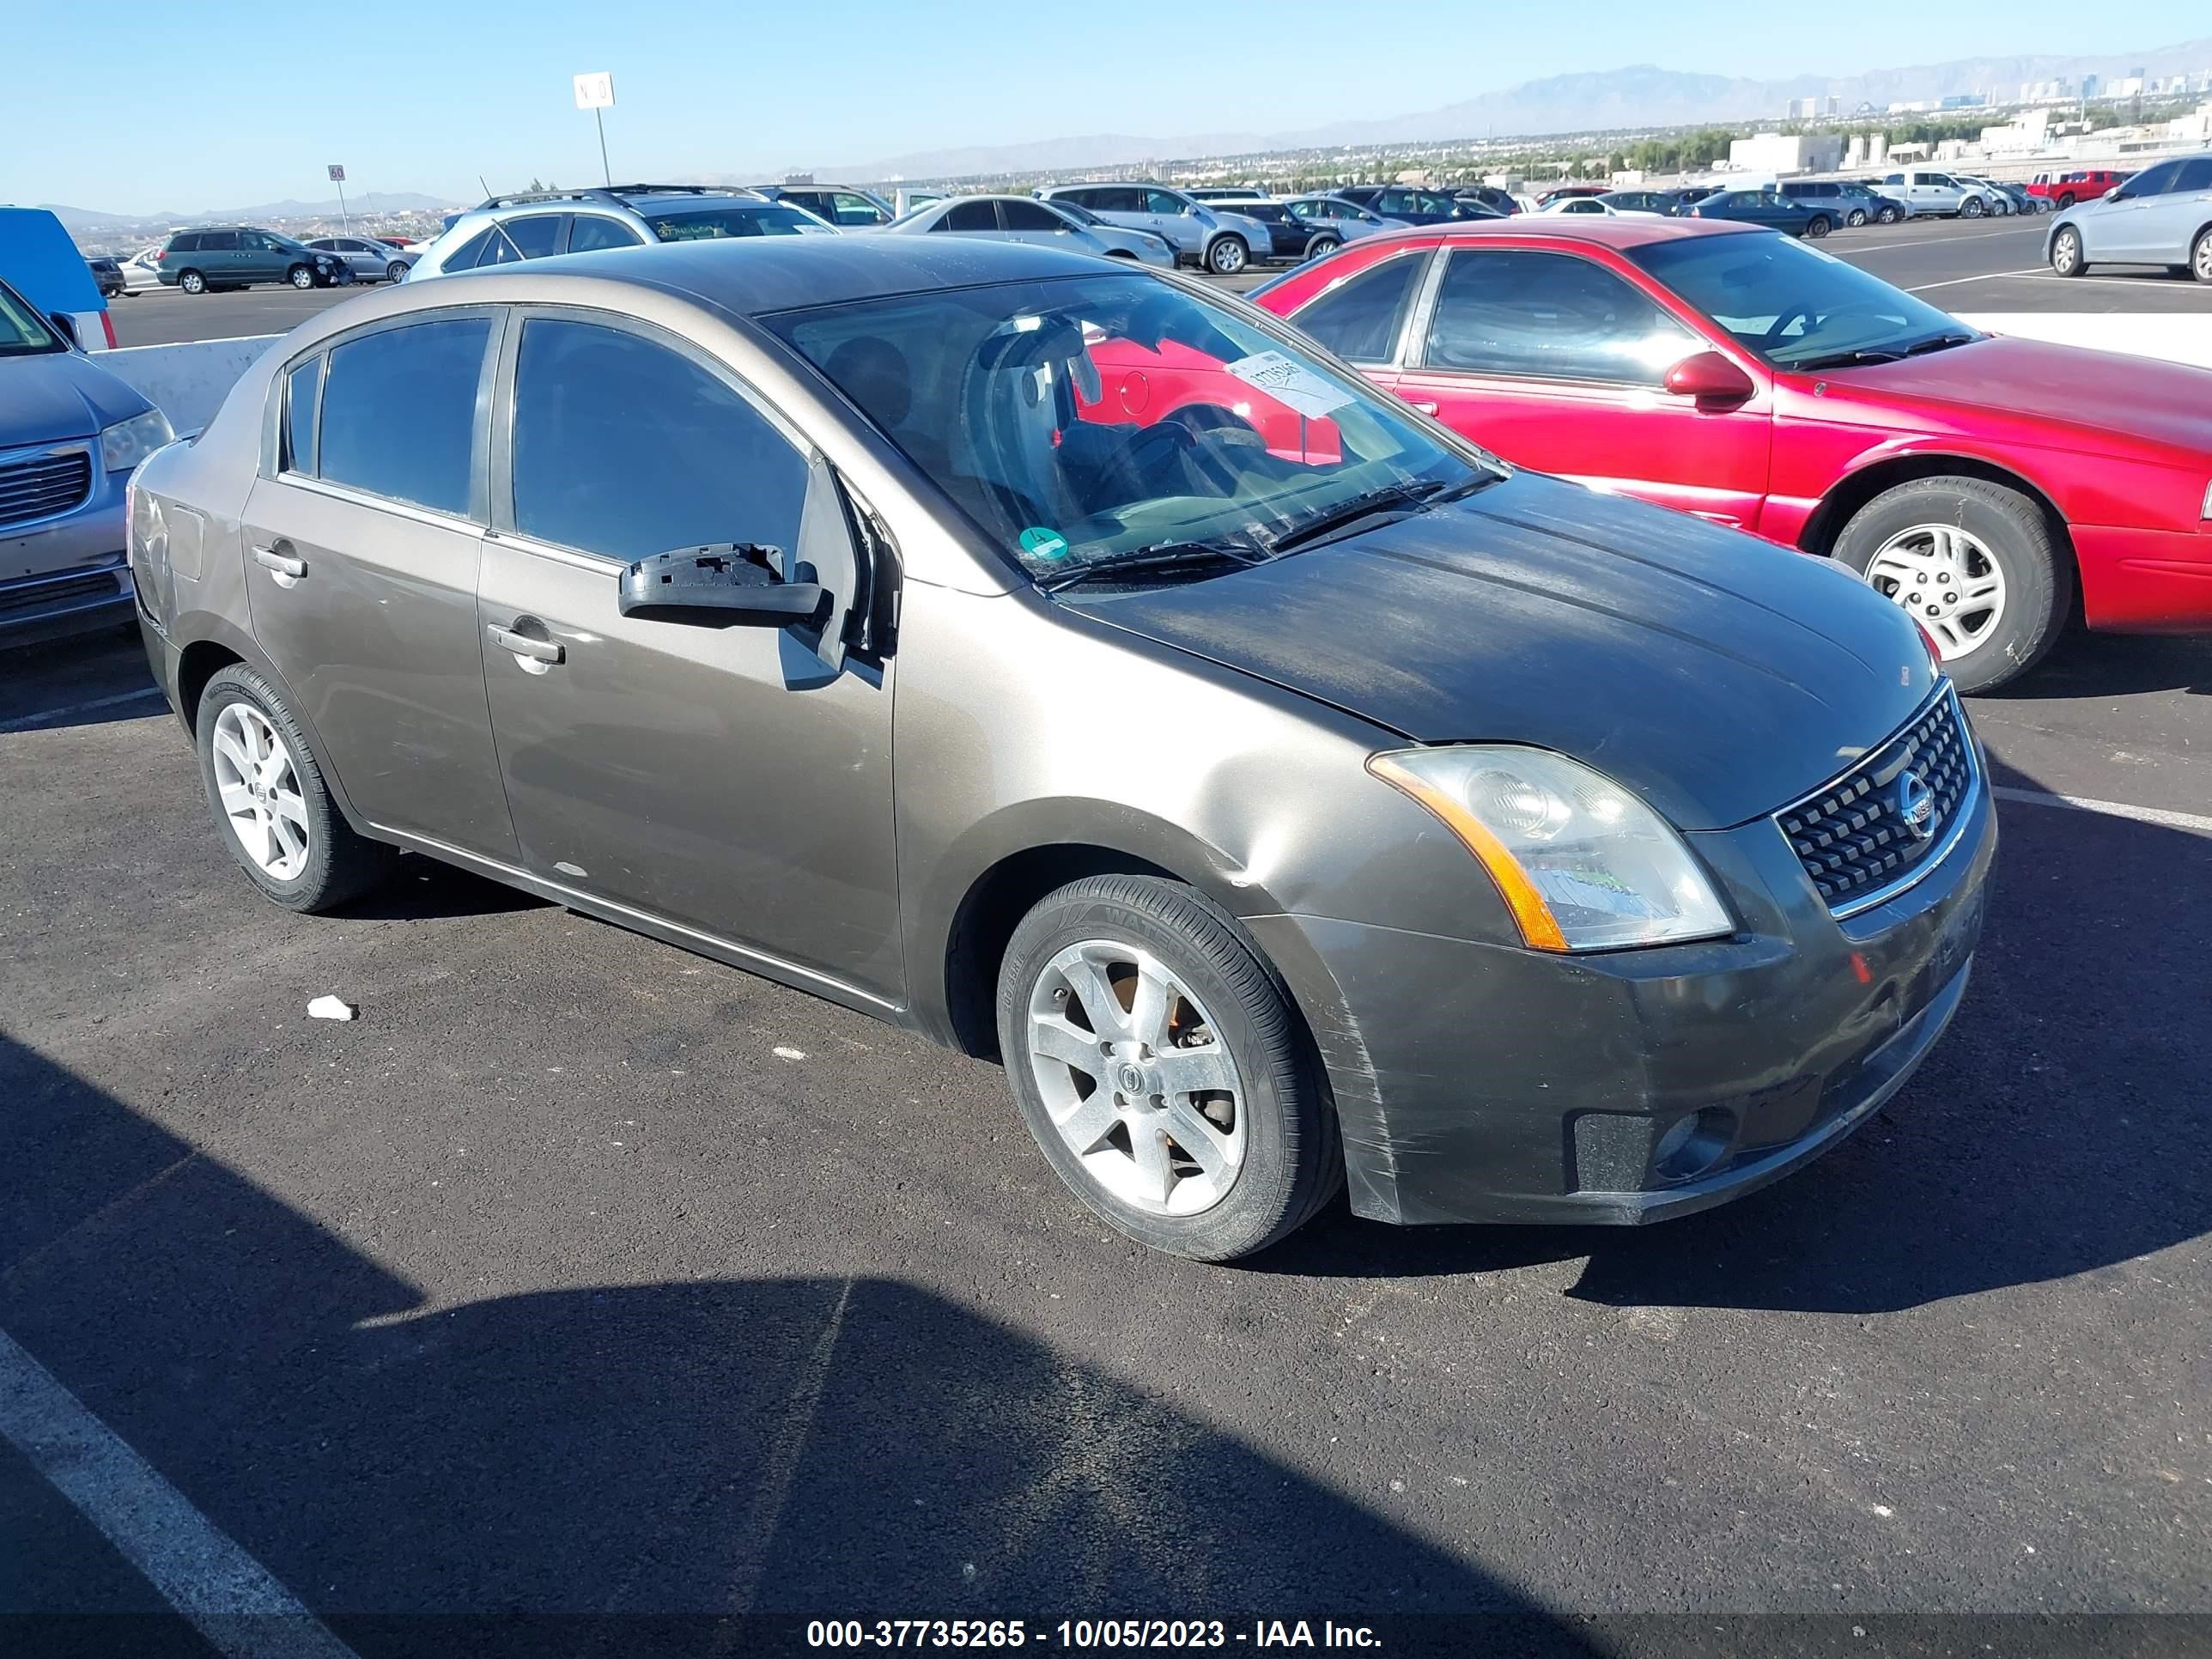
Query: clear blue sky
<point x="148" y="104"/>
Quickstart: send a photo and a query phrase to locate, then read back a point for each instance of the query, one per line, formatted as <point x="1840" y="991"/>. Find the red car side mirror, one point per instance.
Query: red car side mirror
<point x="1711" y="378"/>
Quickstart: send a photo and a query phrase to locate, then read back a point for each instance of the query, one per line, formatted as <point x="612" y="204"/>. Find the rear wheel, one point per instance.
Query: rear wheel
<point x="192" y="282"/>
<point x="1321" y="247"/>
<point x="2200" y="257"/>
<point x="1974" y="564"/>
<point x="1819" y="226"/>
<point x="2066" y="252"/>
<point x="1889" y="215"/>
<point x="1855" y="218"/>
<point x="301" y="277"/>
<point x="1972" y="208"/>
<point x="2066" y="201"/>
<point x="1156" y="1060"/>
<point x="1227" y="255"/>
<point x="267" y="790"/>
<point x="396" y="272"/>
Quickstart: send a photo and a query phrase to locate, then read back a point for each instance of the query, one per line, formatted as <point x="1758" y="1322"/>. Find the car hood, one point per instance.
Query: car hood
<point x="2121" y="396"/>
<point x="1719" y="677"/>
<point x="57" y="395"/>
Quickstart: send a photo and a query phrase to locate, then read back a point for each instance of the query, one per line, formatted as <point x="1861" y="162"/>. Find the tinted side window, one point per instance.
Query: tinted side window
<point x="399" y="412"/>
<point x="2154" y="182"/>
<point x="2195" y="175"/>
<point x="624" y="448"/>
<point x="593" y="230"/>
<point x="534" y="237"/>
<point x="497" y="250"/>
<point x="1161" y="201"/>
<point x="189" y="242"/>
<point x="971" y="216"/>
<point x="1360" y="321"/>
<point x="219" y="241"/>
<point x="1029" y="216"/>
<point x="850" y="210"/>
<point x="464" y="257"/>
<point x="1503" y="311"/>
<point x="300" y="389"/>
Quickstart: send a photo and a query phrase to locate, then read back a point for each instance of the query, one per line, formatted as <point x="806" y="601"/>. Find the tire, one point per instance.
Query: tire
<point x="1972" y="208"/>
<point x="1855" y="219"/>
<point x="2066" y="259"/>
<point x="1997" y="527"/>
<point x="1227" y="255"/>
<point x="1819" y="226"/>
<point x="2066" y="201"/>
<point x="1890" y="216"/>
<point x="1280" y="1159"/>
<point x="192" y="282"/>
<point x="396" y="272"/>
<point x="1321" y="247"/>
<point x="301" y="277"/>
<point x="332" y="864"/>
<point x="2200" y="256"/>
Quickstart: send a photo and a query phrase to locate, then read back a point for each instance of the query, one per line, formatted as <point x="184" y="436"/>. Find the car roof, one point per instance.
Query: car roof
<point x="748" y="276"/>
<point x="1630" y="230"/>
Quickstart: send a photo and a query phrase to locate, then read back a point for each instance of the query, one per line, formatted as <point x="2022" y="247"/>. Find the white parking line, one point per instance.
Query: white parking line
<point x="228" y="1597"/>
<point x="21" y="721"/>
<point x="2158" y="815"/>
<point x="1986" y="277"/>
<point x="1939" y="241"/>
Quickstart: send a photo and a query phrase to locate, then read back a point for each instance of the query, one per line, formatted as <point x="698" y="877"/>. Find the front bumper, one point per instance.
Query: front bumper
<point x="1482" y="1083"/>
<point x="69" y="572"/>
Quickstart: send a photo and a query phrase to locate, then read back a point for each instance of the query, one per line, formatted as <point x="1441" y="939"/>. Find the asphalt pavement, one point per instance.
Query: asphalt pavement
<point x="582" y="1284"/>
<point x="1959" y="265"/>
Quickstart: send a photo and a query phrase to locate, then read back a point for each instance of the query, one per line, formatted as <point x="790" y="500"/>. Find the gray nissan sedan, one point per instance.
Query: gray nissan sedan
<point x="1084" y="669"/>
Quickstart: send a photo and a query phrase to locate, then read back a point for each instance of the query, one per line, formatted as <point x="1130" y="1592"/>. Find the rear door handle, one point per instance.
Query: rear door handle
<point x="283" y="563"/>
<point x="522" y="644"/>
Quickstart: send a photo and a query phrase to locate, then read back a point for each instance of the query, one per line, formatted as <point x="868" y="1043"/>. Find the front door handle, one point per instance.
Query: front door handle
<point x="287" y="569"/>
<point x="522" y="644"/>
<point x="1425" y="409"/>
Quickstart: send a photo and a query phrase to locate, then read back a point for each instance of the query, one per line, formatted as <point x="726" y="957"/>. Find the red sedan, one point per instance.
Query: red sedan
<point x="1741" y="375"/>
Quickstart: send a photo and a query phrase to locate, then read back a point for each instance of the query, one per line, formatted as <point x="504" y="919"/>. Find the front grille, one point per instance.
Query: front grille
<point x="43" y="485"/>
<point x="1856" y="838"/>
<point x="45" y="592"/>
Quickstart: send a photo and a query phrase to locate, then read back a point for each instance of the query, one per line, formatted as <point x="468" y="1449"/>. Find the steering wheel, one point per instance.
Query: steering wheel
<point x="1780" y="330"/>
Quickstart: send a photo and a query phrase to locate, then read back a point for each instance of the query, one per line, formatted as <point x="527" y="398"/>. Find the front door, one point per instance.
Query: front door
<point x="719" y="779"/>
<point x="1560" y="364"/>
<point x="363" y="545"/>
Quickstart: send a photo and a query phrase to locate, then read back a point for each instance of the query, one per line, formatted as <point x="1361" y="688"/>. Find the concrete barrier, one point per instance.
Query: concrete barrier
<point x="2173" y="336"/>
<point x="187" y="382"/>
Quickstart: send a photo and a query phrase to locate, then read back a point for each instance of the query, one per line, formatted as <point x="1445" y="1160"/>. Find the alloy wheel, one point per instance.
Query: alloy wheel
<point x="2066" y="252"/>
<point x="259" y="788"/>
<point x="1947" y="580"/>
<point x="1136" y="1078"/>
<point x="2200" y="263"/>
<point x="1226" y="256"/>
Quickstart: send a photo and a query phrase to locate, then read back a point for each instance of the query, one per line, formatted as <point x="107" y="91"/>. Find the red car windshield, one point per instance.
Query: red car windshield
<point x="1794" y="306"/>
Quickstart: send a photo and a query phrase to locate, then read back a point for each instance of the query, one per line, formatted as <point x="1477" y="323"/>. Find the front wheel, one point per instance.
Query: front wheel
<point x="1321" y="247"/>
<point x="1227" y="255"/>
<point x="2066" y="252"/>
<point x="2200" y="257"/>
<point x="302" y="277"/>
<point x="266" y="789"/>
<point x="1819" y="226"/>
<point x="396" y="272"/>
<point x="1889" y="215"/>
<point x="1855" y="218"/>
<point x="1972" y="208"/>
<point x="2066" y="201"/>
<point x="1157" y="1060"/>
<point x="1976" y="564"/>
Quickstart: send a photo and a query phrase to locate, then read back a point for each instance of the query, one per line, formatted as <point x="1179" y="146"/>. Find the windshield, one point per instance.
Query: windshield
<point x="705" y="224"/>
<point x="23" y="331"/>
<point x="1793" y="305"/>
<point x="1096" y="418"/>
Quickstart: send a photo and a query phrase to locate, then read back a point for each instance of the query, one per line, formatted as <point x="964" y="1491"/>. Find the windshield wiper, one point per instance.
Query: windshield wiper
<point x="1938" y="343"/>
<point x="1848" y="359"/>
<point x="1419" y="493"/>
<point x="1161" y="556"/>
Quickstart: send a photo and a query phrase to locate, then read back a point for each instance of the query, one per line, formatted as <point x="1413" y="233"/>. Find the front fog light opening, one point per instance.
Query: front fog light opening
<point x="1692" y="1143"/>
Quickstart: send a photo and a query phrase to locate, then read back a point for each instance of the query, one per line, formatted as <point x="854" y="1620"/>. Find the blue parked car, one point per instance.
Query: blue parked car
<point x="71" y="436"/>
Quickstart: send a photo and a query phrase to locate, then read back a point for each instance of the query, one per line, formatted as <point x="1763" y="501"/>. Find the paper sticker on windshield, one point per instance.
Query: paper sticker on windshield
<point x="1042" y="544"/>
<point x="1289" y="383"/>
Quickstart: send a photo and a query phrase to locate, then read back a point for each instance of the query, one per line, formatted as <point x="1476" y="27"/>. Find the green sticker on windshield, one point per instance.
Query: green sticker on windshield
<point x="1044" y="543"/>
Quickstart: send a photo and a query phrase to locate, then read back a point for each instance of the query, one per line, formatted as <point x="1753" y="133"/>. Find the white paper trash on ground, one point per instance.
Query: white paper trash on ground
<point x="332" y="1008"/>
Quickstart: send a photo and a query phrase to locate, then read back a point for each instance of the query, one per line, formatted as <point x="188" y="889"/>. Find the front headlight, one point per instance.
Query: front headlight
<point x="127" y="443"/>
<point x="1582" y="863"/>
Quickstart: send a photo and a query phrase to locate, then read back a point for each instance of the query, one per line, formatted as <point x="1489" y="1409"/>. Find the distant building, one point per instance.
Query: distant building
<point x="2091" y="85"/>
<point x="1777" y="153"/>
<point x="1964" y="100"/>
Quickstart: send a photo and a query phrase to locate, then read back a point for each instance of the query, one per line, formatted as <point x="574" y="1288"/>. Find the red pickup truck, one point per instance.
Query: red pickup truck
<point x="2062" y="190"/>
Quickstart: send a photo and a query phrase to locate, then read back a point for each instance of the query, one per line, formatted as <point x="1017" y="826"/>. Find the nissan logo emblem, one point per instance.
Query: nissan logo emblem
<point x="1916" y="804"/>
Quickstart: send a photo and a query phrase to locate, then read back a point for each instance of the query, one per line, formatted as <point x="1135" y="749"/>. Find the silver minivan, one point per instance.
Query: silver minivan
<point x="1079" y="666"/>
<point x="1218" y="238"/>
<point x="2161" y="216"/>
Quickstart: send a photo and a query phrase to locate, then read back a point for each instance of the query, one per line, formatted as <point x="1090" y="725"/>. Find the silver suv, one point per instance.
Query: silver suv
<point x="507" y="229"/>
<point x="1220" y="238"/>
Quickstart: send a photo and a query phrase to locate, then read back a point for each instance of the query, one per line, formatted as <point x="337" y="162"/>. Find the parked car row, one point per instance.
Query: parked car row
<point x="210" y="257"/>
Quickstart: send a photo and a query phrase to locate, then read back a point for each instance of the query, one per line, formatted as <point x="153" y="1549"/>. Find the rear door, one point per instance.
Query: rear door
<point x="970" y="219"/>
<point x="363" y="536"/>
<point x="219" y="258"/>
<point x="719" y="779"/>
<point x="1560" y="364"/>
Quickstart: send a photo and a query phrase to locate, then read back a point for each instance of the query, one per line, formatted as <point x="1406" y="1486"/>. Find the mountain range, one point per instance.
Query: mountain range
<point x="75" y="219"/>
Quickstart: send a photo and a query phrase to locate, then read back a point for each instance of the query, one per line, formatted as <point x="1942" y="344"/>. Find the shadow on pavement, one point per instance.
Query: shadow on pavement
<point x="420" y="889"/>
<point x="2085" y="664"/>
<point x="558" y="1473"/>
<point x="2058" y="1128"/>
